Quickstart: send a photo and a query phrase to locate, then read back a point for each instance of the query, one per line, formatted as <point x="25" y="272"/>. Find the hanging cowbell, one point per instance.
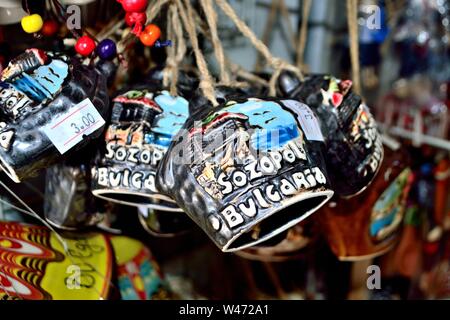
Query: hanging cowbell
<point x="50" y="106"/>
<point x="368" y="224"/>
<point x="143" y="123"/>
<point x="354" y="151"/>
<point x="69" y="203"/>
<point x="233" y="168"/>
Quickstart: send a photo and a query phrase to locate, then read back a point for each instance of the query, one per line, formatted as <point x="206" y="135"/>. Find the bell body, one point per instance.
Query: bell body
<point x="143" y="123"/>
<point x="38" y="91"/>
<point x="233" y="168"/>
<point x="354" y="151"/>
<point x="368" y="225"/>
<point x="69" y="203"/>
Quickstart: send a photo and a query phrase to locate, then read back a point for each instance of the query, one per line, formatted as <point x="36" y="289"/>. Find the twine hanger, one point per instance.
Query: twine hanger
<point x="276" y="63"/>
<point x="206" y="81"/>
<point x="303" y="34"/>
<point x="277" y="6"/>
<point x="352" y="18"/>
<point x="176" y="52"/>
<point x="211" y="18"/>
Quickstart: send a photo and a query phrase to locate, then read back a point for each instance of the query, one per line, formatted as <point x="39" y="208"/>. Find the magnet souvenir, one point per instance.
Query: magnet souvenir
<point x="69" y="203"/>
<point x="233" y="168"/>
<point x="163" y="223"/>
<point x="354" y="151"/>
<point x="139" y="276"/>
<point x="49" y="105"/>
<point x="368" y="225"/>
<point x="34" y="265"/>
<point x="143" y="123"/>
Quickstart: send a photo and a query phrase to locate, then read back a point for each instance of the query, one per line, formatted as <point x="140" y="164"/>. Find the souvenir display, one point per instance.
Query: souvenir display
<point x="148" y="139"/>
<point x="368" y="225"/>
<point x="49" y="105"/>
<point x="233" y="168"/>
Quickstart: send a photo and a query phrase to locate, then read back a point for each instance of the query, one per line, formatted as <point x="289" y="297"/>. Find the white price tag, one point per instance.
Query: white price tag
<point x="70" y="128"/>
<point x="307" y="119"/>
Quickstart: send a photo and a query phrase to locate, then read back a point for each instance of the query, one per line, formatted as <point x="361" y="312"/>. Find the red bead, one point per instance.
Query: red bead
<point x="85" y="46"/>
<point x="134" y="5"/>
<point x="136" y="20"/>
<point x="50" y="28"/>
<point x="150" y="34"/>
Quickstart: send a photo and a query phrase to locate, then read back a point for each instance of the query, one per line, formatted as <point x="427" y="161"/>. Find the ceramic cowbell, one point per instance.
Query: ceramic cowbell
<point x="367" y="225"/>
<point x="354" y="151"/>
<point x="44" y="99"/>
<point x="234" y="167"/>
<point x="143" y="123"/>
<point x="69" y="203"/>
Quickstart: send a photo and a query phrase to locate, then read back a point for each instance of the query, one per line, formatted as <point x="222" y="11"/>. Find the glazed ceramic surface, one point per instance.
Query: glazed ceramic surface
<point x="354" y="151"/>
<point x="368" y="225"/>
<point x="232" y="168"/>
<point x="142" y="126"/>
<point x="68" y="202"/>
<point x="36" y="89"/>
<point x="139" y="276"/>
<point x="34" y="265"/>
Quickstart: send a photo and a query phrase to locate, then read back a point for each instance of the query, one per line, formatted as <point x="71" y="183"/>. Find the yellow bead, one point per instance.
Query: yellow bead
<point x="32" y="23"/>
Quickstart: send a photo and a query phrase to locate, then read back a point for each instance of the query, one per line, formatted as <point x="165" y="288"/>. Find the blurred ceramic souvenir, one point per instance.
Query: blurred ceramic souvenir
<point x="290" y="247"/>
<point x="354" y="151"/>
<point x="69" y="203"/>
<point x="49" y="106"/>
<point x="372" y="34"/>
<point x="34" y="265"/>
<point x="421" y="37"/>
<point x="161" y="223"/>
<point x="11" y="12"/>
<point x="139" y="275"/>
<point x="232" y="169"/>
<point x="142" y="126"/>
<point x="368" y="225"/>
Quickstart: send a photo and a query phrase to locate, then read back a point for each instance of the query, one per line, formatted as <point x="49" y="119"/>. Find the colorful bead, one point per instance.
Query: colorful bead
<point x="150" y="35"/>
<point x="136" y="20"/>
<point x="107" y="49"/>
<point x="134" y="5"/>
<point x="50" y="28"/>
<point x="85" y="46"/>
<point x="32" y="23"/>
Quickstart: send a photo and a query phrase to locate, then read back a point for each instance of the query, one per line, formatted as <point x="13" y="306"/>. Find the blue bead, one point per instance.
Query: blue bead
<point x="107" y="49"/>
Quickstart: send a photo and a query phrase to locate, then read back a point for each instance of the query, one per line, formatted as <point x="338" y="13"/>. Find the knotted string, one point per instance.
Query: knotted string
<point x="211" y="18"/>
<point x="276" y="63"/>
<point x="303" y="34"/>
<point x="352" y="17"/>
<point x="206" y="81"/>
